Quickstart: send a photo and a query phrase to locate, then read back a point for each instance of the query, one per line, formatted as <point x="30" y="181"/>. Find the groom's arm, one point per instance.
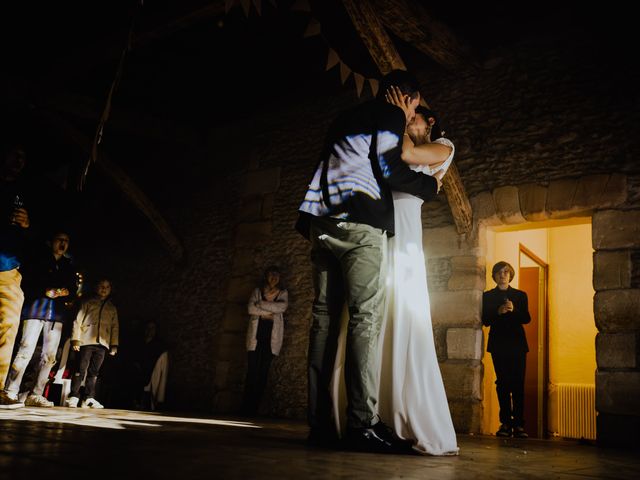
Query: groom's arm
<point x="395" y="172"/>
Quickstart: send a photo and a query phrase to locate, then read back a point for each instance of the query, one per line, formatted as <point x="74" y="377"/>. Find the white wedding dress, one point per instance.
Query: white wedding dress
<point x="412" y="398"/>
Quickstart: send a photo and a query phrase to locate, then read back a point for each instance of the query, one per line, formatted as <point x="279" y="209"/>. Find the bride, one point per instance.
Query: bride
<point x="411" y="392"/>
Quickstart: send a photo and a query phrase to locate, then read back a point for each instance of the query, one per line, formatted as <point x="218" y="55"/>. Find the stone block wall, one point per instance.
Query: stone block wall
<point x="456" y="278"/>
<point x="616" y="239"/>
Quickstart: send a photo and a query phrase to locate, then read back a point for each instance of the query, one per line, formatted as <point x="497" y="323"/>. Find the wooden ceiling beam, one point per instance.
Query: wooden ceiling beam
<point x="412" y="23"/>
<point x="120" y="178"/>
<point x="386" y="56"/>
<point x="374" y="36"/>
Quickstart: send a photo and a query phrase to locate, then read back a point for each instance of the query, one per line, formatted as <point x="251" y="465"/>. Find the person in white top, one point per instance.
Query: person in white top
<point x="411" y="391"/>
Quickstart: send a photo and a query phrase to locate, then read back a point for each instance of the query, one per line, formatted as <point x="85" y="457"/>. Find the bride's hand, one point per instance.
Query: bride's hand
<point x="395" y="97"/>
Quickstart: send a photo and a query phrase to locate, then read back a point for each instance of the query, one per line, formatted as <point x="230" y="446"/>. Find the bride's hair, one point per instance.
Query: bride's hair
<point x="436" y="128"/>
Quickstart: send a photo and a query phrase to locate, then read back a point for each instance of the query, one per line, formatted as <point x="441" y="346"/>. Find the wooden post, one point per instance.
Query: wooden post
<point x="374" y="36"/>
<point x="458" y="200"/>
<point x="387" y="58"/>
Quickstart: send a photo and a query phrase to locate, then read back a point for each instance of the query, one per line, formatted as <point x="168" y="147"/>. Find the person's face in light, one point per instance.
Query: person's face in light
<point x="273" y="278"/>
<point x="60" y="244"/>
<point x="419" y="129"/>
<point x="503" y="277"/>
<point x="103" y="289"/>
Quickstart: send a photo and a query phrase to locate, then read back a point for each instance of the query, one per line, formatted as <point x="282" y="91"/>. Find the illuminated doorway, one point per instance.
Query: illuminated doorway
<point x="554" y="265"/>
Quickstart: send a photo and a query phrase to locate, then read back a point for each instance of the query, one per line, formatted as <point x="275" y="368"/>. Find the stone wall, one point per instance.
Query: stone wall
<point x="531" y="144"/>
<point x="616" y="240"/>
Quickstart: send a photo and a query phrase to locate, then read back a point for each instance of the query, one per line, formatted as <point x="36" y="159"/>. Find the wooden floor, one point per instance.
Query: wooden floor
<point x="65" y="443"/>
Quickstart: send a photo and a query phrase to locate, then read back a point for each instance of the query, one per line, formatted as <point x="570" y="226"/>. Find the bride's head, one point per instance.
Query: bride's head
<point x="424" y="128"/>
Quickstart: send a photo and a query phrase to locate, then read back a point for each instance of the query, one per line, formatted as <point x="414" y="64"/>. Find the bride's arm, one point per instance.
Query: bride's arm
<point x="431" y="154"/>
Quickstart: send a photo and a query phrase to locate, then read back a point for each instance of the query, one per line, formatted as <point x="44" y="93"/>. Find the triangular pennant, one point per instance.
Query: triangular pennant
<point x="332" y="59"/>
<point x="312" y="29"/>
<point x="246" y="5"/>
<point x="345" y="71"/>
<point x="301" y="6"/>
<point x="374" y="86"/>
<point x="228" y="4"/>
<point x="258" y="5"/>
<point x="359" y="83"/>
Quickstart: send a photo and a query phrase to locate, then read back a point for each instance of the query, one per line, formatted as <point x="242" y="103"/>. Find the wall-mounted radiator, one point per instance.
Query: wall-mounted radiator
<point x="576" y="410"/>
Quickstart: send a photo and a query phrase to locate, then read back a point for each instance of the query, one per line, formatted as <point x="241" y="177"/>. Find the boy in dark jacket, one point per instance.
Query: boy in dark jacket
<point x="505" y="310"/>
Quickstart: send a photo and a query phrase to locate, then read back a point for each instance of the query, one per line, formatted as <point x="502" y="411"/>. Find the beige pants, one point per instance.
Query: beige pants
<point x="348" y="265"/>
<point x="11" y="299"/>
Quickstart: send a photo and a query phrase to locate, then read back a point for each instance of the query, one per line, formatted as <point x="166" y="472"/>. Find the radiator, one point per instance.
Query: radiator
<point x="576" y="411"/>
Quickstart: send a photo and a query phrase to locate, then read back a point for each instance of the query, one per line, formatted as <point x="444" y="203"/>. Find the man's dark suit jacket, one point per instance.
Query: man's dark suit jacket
<point x="506" y="332"/>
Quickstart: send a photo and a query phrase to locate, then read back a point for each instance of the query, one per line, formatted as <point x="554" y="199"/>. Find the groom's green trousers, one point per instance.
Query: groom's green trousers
<point x="348" y="264"/>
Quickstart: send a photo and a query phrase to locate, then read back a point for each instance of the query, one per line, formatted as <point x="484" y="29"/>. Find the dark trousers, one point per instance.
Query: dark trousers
<point x="510" y="368"/>
<point x="91" y="358"/>
<point x="257" y="374"/>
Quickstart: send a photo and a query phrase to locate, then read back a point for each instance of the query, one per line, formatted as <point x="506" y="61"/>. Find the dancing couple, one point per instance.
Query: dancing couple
<point x="361" y="213"/>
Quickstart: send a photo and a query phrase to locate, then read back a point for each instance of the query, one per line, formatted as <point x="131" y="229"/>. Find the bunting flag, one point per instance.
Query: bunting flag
<point x="359" y="82"/>
<point x="313" y="28"/>
<point x="373" y="83"/>
<point x="332" y="59"/>
<point x="345" y="71"/>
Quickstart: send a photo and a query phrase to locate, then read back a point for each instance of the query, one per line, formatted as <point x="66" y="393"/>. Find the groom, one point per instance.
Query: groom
<point x="347" y="214"/>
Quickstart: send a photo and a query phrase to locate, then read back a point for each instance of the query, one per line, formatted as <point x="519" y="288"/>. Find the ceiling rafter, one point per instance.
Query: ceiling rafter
<point x="412" y="23"/>
<point x="120" y="178"/>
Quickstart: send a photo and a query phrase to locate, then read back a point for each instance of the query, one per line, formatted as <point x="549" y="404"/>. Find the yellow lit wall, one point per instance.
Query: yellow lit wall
<point x="572" y="329"/>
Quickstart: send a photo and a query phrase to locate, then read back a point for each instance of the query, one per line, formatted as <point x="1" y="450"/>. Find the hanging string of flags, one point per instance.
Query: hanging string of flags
<point x="313" y="29"/>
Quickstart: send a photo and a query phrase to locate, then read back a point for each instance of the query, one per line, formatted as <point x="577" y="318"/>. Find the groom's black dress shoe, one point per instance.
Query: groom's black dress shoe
<point x="386" y="433"/>
<point x="367" y="440"/>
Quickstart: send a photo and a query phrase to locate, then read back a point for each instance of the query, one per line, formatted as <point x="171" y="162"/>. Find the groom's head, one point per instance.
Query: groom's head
<point x="405" y="81"/>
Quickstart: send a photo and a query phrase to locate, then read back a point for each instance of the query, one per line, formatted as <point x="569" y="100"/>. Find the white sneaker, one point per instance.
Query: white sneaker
<point x="91" y="403"/>
<point x="37" y="401"/>
<point x="71" y="402"/>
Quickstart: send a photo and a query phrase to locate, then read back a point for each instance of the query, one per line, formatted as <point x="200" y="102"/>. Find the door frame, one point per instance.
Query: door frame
<point x="543" y="342"/>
